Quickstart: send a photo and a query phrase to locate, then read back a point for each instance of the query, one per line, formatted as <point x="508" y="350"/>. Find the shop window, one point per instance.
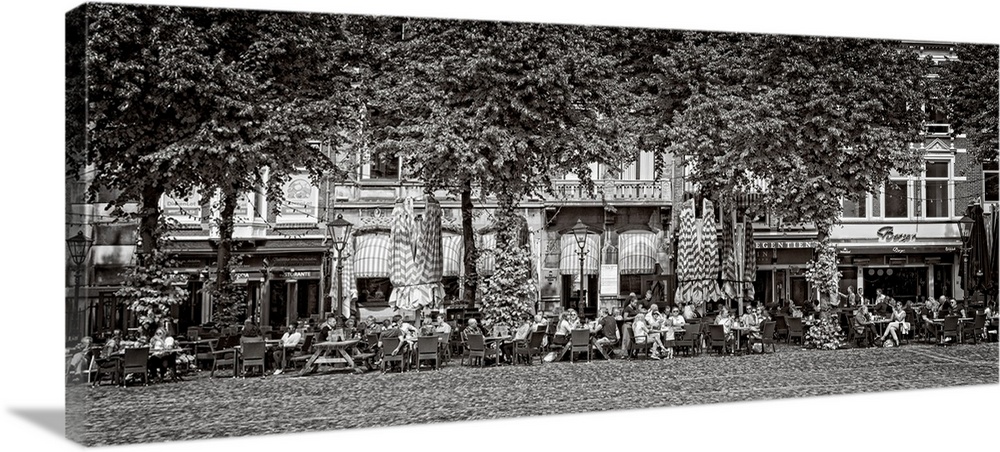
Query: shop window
<point x="991" y="182"/>
<point x="896" y="205"/>
<point x="374" y="291"/>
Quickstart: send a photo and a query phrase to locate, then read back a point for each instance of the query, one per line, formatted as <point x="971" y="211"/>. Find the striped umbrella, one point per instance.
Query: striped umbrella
<point x="709" y="253"/>
<point x="687" y="248"/>
<point x="428" y="256"/>
<point x="730" y="269"/>
<point x="749" y="260"/>
<point x="402" y="269"/>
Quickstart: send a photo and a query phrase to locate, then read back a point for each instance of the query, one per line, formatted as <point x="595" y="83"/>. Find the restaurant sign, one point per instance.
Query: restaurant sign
<point x="786" y="244"/>
<point x="886" y="234"/>
<point x="609" y="279"/>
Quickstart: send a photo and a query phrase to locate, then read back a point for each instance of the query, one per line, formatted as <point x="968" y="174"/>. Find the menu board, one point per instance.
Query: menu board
<point x="609" y="279"/>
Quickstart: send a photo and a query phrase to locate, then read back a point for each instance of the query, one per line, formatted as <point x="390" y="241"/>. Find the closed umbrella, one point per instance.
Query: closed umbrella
<point x="979" y="258"/>
<point x="428" y="257"/>
<point x="710" y="253"/>
<point x="687" y="248"/>
<point x="402" y="270"/>
<point x="749" y="260"/>
<point x="730" y="268"/>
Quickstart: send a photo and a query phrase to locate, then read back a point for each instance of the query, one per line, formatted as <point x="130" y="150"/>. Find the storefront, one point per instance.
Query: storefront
<point x="906" y="261"/>
<point x="781" y="264"/>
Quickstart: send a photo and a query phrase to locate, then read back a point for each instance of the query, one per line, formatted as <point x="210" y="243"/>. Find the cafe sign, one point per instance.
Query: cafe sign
<point x="887" y="235"/>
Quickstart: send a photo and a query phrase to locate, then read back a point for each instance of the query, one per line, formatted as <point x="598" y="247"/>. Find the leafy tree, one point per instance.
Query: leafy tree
<point x="151" y="290"/>
<point x="499" y="109"/>
<point x="215" y="100"/>
<point x="804" y="121"/>
<point x="971" y="93"/>
<point x="510" y="291"/>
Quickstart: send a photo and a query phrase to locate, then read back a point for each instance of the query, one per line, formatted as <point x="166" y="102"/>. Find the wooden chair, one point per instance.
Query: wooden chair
<point x="717" y="338"/>
<point x="638" y="347"/>
<point x="253" y="356"/>
<point x="224" y="355"/>
<point x="136" y="362"/>
<point x="111" y="367"/>
<point x="795" y="329"/>
<point x="529" y="348"/>
<point x="390" y="344"/>
<point x="299" y="353"/>
<point x="950" y="328"/>
<point x="580" y="342"/>
<point x="427" y="349"/>
<point x="766" y="338"/>
<point x="550" y="332"/>
<point x="973" y="329"/>
<point x="477" y="349"/>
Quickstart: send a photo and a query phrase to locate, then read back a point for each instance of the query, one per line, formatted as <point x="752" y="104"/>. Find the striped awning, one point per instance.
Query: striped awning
<point x="636" y="253"/>
<point x="452" y="248"/>
<point x="487" y="243"/>
<point x="372" y="256"/>
<point x="569" y="260"/>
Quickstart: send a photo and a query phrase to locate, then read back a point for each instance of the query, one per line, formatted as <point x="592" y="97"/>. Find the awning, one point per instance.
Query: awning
<point x="371" y="258"/>
<point x="569" y="260"/>
<point x="636" y="253"/>
<point x="943" y="246"/>
<point x="452" y="247"/>
<point x="487" y="243"/>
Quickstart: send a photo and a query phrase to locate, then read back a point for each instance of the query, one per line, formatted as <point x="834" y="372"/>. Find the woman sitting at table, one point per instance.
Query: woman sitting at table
<point x="567" y="321"/>
<point x="521" y="334"/>
<point x="161" y="356"/>
<point x="897" y="324"/>
<point x="727" y="323"/>
<point x="641" y="332"/>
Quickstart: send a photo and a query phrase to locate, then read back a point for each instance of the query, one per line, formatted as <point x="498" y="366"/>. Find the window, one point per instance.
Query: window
<point x="991" y="182"/>
<point x="936" y="189"/>
<point x="896" y="205"/>
<point x="381" y="166"/>
<point x="855" y="209"/>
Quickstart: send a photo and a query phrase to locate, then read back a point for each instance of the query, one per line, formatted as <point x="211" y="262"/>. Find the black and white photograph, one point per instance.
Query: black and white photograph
<point x="328" y="225"/>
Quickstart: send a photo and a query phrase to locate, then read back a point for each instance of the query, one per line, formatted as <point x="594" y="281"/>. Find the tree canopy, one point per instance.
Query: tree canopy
<point x="971" y="85"/>
<point x="801" y="121"/>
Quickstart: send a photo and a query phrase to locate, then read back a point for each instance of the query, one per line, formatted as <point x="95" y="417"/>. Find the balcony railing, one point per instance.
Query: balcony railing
<point x="613" y="190"/>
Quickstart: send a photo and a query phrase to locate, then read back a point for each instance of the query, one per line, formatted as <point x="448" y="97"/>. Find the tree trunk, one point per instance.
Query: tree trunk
<point x="149" y="222"/>
<point x="223" y="277"/>
<point x="471" y="254"/>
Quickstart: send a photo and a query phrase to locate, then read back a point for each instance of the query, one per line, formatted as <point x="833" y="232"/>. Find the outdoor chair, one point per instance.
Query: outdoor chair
<point x="780" y="327"/>
<point x="193" y="333"/>
<point x="950" y="329"/>
<point x="253" y="356"/>
<point x="300" y="353"/>
<point x="580" y="342"/>
<point x="390" y="344"/>
<point x="635" y="348"/>
<point x="795" y="329"/>
<point x="427" y="349"/>
<point x="477" y="349"/>
<point x="766" y="338"/>
<point x="973" y="329"/>
<point x="717" y="338"/>
<point x="530" y="347"/>
<point x="688" y="342"/>
<point x="110" y="366"/>
<point x="550" y="332"/>
<point x="224" y="355"/>
<point x="911" y="318"/>
<point x="136" y="362"/>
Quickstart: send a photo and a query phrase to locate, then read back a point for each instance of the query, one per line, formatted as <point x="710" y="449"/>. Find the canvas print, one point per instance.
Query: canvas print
<point x="423" y="220"/>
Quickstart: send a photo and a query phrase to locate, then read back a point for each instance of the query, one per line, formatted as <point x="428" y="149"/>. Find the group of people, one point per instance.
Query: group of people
<point x="163" y="353"/>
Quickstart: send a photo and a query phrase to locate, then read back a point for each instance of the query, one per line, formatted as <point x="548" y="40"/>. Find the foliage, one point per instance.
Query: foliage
<point x="970" y="87"/>
<point x="824" y="334"/>
<point x="803" y="121"/>
<point x="821" y="272"/>
<point x="151" y="290"/>
<point x="510" y="291"/>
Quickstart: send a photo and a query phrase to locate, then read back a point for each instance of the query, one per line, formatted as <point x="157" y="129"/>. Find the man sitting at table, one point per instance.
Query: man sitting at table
<point x="289" y="341"/>
<point x="472" y="328"/>
<point x="927" y="315"/>
<point x="863" y="325"/>
<point x="606" y="334"/>
<point x="443" y="328"/>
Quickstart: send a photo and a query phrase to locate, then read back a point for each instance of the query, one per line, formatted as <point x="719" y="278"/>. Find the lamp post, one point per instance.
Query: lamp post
<point x="965" y="228"/>
<point x="78" y="246"/>
<point x="580" y="234"/>
<point x="339" y="230"/>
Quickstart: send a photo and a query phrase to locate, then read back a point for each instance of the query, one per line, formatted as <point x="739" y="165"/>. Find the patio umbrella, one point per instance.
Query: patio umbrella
<point x="979" y="257"/>
<point x="994" y="248"/>
<point x="402" y="269"/>
<point x="749" y="260"/>
<point x="428" y="256"/>
<point x="731" y="276"/>
<point x="709" y="254"/>
<point x="687" y="248"/>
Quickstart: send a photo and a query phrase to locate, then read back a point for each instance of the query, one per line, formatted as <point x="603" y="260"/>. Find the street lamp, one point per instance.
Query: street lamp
<point x="965" y="228"/>
<point x="78" y="246"/>
<point x="580" y="234"/>
<point x="339" y="230"/>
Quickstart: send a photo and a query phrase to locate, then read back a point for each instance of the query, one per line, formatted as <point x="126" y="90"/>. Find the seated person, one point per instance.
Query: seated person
<point x="74" y="368"/>
<point x="443" y="328"/>
<point x="642" y="336"/>
<point x="521" y="334"/>
<point x="325" y="328"/>
<point x="897" y="324"/>
<point x="688" y="312"/>
<point x="472" y="327"/>
<point x="673" y="323"/>
<point x="927" y="315"/>
<point x="863" y="325"/>
<point x="606" y="333"/>
<point x="564" y="330"/>
<point x="162" y="358"/>
<point x="727" y="322"/>
<point x="289" y="341"/>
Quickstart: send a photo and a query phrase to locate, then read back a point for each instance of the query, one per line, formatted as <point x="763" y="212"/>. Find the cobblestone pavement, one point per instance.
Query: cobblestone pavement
<point x="202" y="407"/>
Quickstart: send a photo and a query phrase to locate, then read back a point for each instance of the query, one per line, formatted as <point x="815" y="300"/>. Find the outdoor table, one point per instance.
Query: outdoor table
<point x="739" y="331"/>
<point x="497" y="340"/>
<point x="340" y="352"/>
